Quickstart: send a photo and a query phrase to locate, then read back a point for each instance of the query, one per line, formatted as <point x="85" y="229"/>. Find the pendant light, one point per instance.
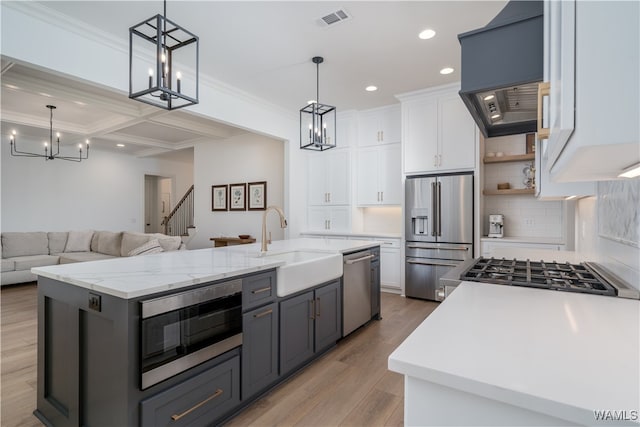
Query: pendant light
<point x="317" y="121"/>
<point x="48" y="145"/>
<point x="158" y="48"/>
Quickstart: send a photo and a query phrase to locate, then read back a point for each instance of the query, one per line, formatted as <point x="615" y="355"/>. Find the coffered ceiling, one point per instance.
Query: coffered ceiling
<point x="263" y="48"/>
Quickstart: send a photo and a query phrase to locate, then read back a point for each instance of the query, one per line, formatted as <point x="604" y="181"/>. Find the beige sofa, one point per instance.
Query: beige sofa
<point x="22" y="251"/>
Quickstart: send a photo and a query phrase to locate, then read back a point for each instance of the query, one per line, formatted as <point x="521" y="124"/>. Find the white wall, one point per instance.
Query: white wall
<point x="241" y="159"/>
<point x="105" y="192"/>
<point x="23" y="22"/>
<point x="622" y="259"/>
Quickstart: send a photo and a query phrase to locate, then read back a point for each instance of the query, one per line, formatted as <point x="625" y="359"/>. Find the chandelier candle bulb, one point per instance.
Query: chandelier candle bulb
<point x="178" y="77"/>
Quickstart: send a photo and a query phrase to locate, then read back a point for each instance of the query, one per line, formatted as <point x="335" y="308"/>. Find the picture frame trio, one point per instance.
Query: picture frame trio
<point x="250" y="196"/>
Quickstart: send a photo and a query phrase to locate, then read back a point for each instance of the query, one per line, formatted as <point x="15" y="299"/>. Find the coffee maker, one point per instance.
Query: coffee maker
<point x="496" y="225"/>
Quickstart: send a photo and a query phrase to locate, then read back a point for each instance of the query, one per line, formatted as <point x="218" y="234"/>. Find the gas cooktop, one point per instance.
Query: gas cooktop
<point x="568" y="277"/>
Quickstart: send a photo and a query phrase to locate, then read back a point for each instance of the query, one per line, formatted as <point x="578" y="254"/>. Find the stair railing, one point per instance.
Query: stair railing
<point x="180" y="219"/>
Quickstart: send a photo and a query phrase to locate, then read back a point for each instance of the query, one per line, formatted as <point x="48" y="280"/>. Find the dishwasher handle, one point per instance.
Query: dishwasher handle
<point x="356" y="260"/>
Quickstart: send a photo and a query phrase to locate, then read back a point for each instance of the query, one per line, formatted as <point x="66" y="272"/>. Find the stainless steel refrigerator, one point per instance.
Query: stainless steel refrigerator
<point x="438" y="230"/>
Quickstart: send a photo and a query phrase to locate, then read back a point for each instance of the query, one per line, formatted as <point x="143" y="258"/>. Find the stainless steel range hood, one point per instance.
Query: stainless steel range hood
<point x="502" y="64"/>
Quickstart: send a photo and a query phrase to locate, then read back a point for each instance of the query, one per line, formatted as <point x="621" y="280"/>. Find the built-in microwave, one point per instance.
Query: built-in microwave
<point x="182" y="330"/>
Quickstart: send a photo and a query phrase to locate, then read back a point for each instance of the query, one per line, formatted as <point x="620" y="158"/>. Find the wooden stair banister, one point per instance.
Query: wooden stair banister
<point x="186" y="219"/>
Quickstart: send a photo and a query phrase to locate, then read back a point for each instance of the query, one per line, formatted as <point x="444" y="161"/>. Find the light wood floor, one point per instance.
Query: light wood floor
<point x="349" y="386"/>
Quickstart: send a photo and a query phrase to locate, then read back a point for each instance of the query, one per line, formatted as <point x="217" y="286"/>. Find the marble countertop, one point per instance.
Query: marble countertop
<point x="558" y="353"/>
<point x="349" y="234"/>
<point x="132" y="277"/>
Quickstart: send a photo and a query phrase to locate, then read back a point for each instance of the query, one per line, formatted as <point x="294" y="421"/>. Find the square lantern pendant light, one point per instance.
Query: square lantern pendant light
<point x="317" y="121"/>
<point x="163" y="63"/>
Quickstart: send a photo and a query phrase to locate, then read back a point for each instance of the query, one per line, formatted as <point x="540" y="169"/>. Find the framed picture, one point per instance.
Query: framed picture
<point x="257" y="196"/>
<point x="238" y="197"/>
<point x="219" y="197"/>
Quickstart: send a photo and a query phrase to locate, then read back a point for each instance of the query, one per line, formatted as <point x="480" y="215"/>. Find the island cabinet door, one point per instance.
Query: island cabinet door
<point x="296" y="331"/>
<point x="259" y="349"/>
<point x="328" y="315"/>
<point x="198" y="401"/>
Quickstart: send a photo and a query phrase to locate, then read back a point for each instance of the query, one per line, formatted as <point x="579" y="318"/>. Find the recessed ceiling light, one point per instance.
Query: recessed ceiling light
<point x="120" y="145"/>
<point x="311" y="101"/>
<point x="44" y="94"/>
<point x="489" y="97"/>
<point x="446" y="70"/>
<point x="7" y="85"/>
<point x="79" y="103"/>
<point x="427" y="34"/>
<point x="495" y="116"/>
<point x="371" y="88"/>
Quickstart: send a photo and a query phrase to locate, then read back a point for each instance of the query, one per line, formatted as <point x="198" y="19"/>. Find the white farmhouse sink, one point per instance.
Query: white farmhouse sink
<point x="304" y="269"/>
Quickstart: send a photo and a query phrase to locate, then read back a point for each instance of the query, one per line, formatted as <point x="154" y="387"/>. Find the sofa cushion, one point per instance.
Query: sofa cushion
<point x="57" y="241"/>
<point x="8" y="265"/>
<point x="24" y="243"/>
<point x="94" y="242"/>
<point x="28" y="262"/>
<point x="131" y="241"/>
<point x="79" y="241"/>
<point x="151" y="247"/>
<point x="67" y="258"/>
<point x="168" y="243"/>
<point x="109" y="243"/>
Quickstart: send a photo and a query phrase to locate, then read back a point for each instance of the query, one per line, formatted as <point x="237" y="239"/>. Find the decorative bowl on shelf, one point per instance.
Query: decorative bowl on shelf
<point x="244" y="236"/>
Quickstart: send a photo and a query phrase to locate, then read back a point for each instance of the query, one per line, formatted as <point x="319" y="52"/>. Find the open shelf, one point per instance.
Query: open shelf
<point x="514" y="158"/>
<point x="509" y="192"/>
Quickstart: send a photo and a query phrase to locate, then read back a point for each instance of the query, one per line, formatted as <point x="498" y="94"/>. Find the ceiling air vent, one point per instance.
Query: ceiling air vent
<point x="334" y="18"/>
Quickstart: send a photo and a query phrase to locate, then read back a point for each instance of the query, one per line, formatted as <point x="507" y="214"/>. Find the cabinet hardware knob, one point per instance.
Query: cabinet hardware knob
<point x="176" y="417"/>
<point x="544" y="89"/>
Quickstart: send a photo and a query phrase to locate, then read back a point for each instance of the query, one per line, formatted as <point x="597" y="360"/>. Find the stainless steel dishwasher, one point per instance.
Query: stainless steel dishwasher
<point x="356" y="291"/>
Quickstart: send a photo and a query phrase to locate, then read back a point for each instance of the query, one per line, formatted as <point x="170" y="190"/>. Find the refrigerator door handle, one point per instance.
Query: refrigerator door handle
<point x="446" y="248"/>
<point x="439" y="209"/>
<point x="438" y="264"/>
<point x="434" y="211"/>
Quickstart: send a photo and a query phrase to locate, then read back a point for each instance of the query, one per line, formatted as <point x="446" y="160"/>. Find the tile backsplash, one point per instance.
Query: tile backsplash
<point x="525" y="216"/>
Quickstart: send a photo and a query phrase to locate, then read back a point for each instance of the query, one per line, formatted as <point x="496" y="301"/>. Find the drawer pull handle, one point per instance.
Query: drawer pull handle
<point x="354" y="261"/>
<point x="188" y="411"/>
<point x="461" y="248"/>
<point x="264" y="313"/>
<point x="261" y="290"/>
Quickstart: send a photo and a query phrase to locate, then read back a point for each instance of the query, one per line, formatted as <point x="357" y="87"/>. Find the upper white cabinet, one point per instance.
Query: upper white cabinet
<point x="438" y="133"/>
<point x="592" y="107"/>
<point x="379" y="175"/>
<point x="379" y="126"/>
<point x="328" y="178"/>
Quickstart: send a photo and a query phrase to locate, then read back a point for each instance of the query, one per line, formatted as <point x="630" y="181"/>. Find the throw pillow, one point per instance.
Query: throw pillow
<point x="109" y="243"/>
<point x="151" y="247"/>
<point x="131" y="241"/>
<point x="168" y="243"/>
<point x="79" y="241"/>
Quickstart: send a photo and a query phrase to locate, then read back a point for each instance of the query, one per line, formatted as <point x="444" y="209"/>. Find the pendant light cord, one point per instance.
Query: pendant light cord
<point x="317" y="83"/>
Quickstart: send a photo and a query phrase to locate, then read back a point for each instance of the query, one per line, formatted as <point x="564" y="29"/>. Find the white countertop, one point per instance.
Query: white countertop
<point x="557" y="353"/>
<point x="349" y="234"/>
<point x="516" y="239"/>
<point x="132" y="277"/>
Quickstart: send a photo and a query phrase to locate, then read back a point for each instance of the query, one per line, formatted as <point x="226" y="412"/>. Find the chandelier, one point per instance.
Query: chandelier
<point x="48" y="146"/>
<point x="317" y="121"/>
<point x="156" y="47"/>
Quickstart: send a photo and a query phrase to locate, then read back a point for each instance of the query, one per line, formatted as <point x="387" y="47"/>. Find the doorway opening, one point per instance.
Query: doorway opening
<point x="158" y="202"/>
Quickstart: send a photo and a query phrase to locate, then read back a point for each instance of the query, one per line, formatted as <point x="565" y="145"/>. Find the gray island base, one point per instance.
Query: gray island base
<point x="91" y="347"/>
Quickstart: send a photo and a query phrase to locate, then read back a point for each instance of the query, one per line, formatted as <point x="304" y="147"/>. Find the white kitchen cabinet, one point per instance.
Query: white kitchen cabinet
<point x="379" y="126"/>
<point x="438" y="133"/>
<point x="379" y="175"/>
<point x="592" y="120"/>
<point x="346" y="129"/>
<point x="329" y="178"/>
<point x="546" y="189"/>
<point x="390" y="265"/>
<point x="329" y="218"/>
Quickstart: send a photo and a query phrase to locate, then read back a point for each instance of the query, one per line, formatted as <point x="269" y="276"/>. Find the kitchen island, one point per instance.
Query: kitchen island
<point x="505" y="355"/>
<point x="107" y="351"/>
